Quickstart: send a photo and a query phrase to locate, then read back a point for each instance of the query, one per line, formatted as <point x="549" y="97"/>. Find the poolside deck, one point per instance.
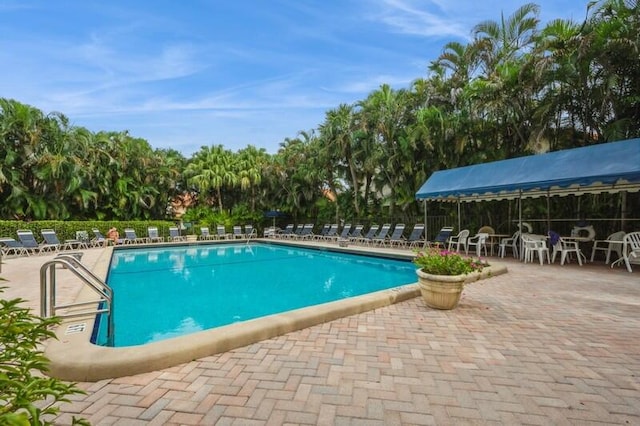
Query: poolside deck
<point x="539" y="345"/>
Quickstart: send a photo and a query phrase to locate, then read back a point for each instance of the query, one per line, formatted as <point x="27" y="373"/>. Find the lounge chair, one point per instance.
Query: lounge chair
<point x="344" y="235"/>
<point x="284" y="233"/>
<point x="297" y="232"/>
<point x="153" y="236"/>
<point x="83" y="238"/>
<point x="174" y="234"/>
<point x="323" y="232"/>
<point x="237" y="232"/>
<point x="397" y="236"/>
<point x="332" y="233"/>
<point x="250" y="231"/>
<point x="205" y="234"/>
<point x="221" y="233"/>
<point x="382" y="235"/>
<point x="441" y="240"/>
<point x="356" y="233"/>
<point x="416" y="237"/>
<point x="51" y="240"/>
<point x="371" y="233"/>
<point x="130" y="237"/>
<point x="9" y="246"/>
<point x="30" y="244"/>
<point x="99" y="240"/>
<point x="306" y="232"/>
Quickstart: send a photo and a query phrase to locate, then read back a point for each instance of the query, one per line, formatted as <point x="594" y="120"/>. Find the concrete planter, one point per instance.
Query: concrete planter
<point x="440" y="291"/>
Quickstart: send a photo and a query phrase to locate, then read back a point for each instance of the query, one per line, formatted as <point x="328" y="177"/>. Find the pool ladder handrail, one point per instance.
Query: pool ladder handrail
<point x="48" y="306"/>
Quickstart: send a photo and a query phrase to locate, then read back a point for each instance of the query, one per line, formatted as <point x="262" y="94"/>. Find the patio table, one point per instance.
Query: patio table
<point x="494" y="239"/>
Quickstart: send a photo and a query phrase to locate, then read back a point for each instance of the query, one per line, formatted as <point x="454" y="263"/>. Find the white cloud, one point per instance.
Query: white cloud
<point x="408" y="18"/>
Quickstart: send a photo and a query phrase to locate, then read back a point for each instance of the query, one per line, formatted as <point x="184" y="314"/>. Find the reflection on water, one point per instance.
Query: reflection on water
<point x="186" y="326"/>
<point x="166" y="292"/>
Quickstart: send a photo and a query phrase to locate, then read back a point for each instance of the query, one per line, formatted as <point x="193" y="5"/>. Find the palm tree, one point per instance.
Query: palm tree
<point x="251" y="162"/>
<point x="339" y="136"/>
<point x="212" y="169"/>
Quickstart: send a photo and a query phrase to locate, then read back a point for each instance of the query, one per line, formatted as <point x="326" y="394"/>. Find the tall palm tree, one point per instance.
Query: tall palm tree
<point x="339" y="136"/>
<point x="251" y="162"/>
<point x="212" y="169"/>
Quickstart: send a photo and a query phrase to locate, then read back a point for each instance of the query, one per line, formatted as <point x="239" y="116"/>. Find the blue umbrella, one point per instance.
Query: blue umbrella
<point x="274" y="214"/>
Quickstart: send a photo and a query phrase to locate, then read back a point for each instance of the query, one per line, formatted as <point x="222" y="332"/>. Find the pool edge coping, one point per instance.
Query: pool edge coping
<point x="74" y="358"/>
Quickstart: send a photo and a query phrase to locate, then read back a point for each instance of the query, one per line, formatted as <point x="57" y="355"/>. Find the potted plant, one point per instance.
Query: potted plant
<point x="442" y="274"/>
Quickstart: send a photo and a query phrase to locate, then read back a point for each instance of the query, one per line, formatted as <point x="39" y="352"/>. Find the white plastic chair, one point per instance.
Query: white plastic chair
<point x="630" y="250"/>
<point x="612" y="243"/>
<point x="565" y="248"/>
<point x="479" y="241"/>
<point x="459" y="240"/>
<point x="533" y="244"/>
<point x="511" y="242"/>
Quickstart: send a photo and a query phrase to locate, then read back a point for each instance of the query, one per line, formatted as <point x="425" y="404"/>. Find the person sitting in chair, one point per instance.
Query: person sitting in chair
<point x="113" y="235"/>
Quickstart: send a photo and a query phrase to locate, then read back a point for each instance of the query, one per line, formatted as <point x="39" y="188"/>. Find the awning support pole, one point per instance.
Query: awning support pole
<point x="520" y="223"/>
<point x="425" y="220"/>
<point x="548" y="211"/>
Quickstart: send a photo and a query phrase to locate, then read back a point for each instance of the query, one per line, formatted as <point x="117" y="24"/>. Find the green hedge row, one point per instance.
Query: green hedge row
<point x="66" y="230"/>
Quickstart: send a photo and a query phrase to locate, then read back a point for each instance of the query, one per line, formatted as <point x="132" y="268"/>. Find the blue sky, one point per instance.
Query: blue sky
<point x="183" y="74"/>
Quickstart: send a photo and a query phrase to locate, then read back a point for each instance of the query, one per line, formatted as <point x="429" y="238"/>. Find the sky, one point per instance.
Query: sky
<point x="193" y="73"/>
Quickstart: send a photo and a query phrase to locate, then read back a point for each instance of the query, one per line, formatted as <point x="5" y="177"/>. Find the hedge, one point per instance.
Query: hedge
<point x="66" y="230"/>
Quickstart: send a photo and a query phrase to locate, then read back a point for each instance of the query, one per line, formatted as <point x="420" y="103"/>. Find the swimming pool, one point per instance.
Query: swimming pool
<point x="162" y="293"/>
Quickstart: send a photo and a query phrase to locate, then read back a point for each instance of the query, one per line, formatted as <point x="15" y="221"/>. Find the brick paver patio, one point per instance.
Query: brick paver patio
<point x="539" y="345"/>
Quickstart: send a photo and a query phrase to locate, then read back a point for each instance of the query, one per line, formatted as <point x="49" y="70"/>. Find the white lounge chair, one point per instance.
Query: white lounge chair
<point x="9" y="246"/>
<point x="153" y="236"/>
<point x="130" y="237"/>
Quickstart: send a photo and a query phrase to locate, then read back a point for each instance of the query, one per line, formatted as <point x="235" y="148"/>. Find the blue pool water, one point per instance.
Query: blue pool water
<point x="161" y="293"/>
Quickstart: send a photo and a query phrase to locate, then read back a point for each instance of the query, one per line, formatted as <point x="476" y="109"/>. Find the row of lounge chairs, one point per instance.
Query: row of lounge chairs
<point x="221" y="233"/>
<point x="377" y="236"/>
<point x="27" y="243"/>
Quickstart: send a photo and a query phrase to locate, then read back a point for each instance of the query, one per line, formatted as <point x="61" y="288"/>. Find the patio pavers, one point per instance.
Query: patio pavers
<point x="539" y="345"/>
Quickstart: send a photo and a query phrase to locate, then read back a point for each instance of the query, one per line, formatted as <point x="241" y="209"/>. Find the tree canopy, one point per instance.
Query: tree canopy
<point x="515" y="89"/>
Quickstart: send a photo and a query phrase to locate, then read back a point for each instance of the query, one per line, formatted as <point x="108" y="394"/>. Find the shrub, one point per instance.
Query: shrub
<point x="27" y="396"/>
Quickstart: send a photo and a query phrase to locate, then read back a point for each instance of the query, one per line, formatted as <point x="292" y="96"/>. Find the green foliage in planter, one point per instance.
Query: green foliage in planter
<point x="443" y="262"/>
<point x="27" y="396"/>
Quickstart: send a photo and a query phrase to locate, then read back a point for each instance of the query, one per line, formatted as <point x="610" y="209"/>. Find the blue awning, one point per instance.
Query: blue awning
<point x="607" y="167"/>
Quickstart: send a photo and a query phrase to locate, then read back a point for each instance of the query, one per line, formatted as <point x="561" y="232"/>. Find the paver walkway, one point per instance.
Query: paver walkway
<point x="538" y="345"/>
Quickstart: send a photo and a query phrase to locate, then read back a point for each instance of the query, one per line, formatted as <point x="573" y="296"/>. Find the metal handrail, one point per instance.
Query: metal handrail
<point x="48" y="305"/>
